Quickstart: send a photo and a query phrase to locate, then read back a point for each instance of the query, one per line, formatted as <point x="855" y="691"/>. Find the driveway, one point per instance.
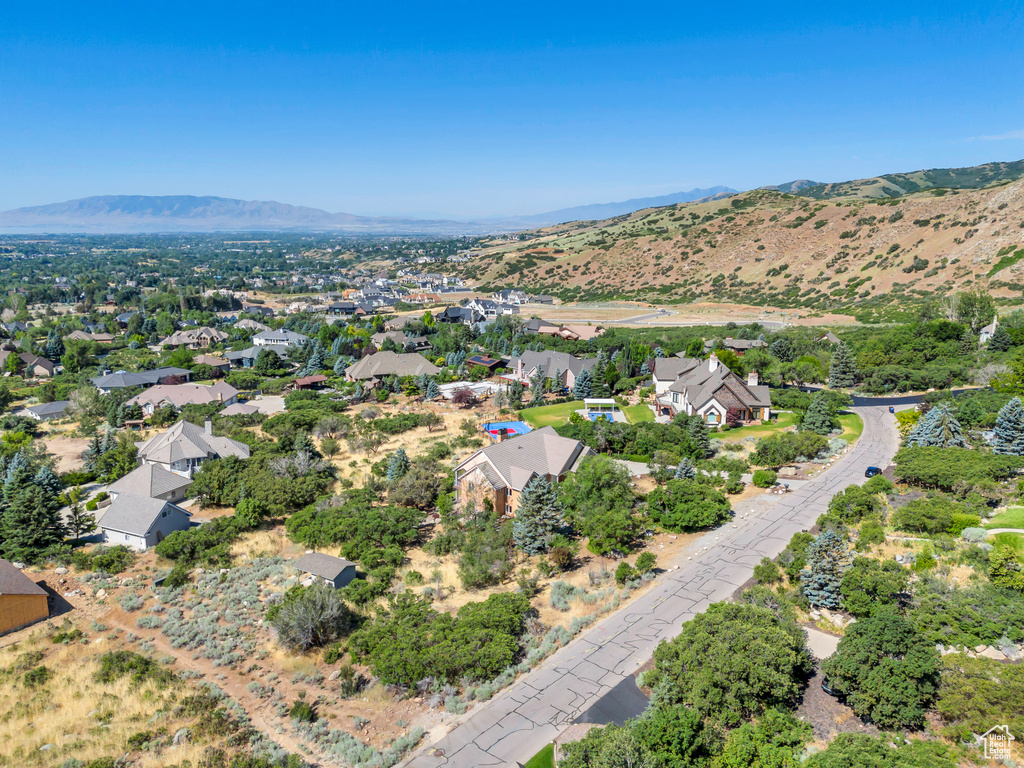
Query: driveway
<point x="521" y="720"/>
<point x="269" y="404"/>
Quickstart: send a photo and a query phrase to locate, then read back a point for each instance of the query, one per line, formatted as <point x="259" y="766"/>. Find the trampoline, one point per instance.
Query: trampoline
<point x="512" y="427"/>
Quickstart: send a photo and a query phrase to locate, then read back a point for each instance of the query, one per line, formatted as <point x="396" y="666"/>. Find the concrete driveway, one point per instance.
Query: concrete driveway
<point x="529" y="714"/>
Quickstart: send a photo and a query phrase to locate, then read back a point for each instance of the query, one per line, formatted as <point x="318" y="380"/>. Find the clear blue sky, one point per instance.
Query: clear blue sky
<point x="470" y="109"/>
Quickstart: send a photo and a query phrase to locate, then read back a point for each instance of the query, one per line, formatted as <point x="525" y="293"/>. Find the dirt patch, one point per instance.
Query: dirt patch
<point x="827" y="715"/>
<point x="68" y="451"/>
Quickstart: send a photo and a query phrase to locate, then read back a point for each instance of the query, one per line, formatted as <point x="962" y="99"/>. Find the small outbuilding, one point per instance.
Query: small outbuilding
<point x="22" y="601"/>
<point x="334" y="571"/>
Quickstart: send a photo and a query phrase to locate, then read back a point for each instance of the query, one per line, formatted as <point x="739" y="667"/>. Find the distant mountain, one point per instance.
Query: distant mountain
<point x="792" y="187"/>
<point x="900" y="184"/>
<point x="187" y="213"/>
<point x="608" y="210"/>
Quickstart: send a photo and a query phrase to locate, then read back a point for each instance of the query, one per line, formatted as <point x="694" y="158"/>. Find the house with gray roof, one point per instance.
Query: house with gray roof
<point x="381" y="364"/>
<point x="180" y="395"/>
<point x="711" y="390"/>
<point x="152" y="481"/>
<point x="500" y="472"/>
<point x="333" y="571"/>
<point x="246" y="358"/>
<point x="739" y="346"/>
<point x="280" y="337"/>
<point x="667" y="371"/>
<point x="47" y="411"/>
<point x="247" y="324"/>
<point x="140" y="522"/>
<point x="549" y="364"/>
<point x="240" y="409"/>
<point x="108" y="382"/>
<point x="184" y="447"/>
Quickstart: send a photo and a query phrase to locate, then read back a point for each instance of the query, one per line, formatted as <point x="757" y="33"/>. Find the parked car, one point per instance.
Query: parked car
<point x="872" y="471"/>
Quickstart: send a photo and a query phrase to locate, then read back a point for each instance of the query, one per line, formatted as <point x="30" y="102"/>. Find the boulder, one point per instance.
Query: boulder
<point x="20" y="566"/>
<point x="786" y="472"/>
<point x="101" y="593"/>
<point x="333" y="676"/>
<point x="993" y="653"/>
<point x="1013" y="652"/>
<point x="61" y="571"/>
<point x="181" y="736"/>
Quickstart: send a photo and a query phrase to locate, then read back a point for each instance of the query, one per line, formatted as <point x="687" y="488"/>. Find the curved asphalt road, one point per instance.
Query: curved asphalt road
<point x="518" y="722"/>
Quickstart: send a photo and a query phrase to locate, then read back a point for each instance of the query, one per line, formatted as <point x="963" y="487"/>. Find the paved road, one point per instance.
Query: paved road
<point x="517" y="723"/>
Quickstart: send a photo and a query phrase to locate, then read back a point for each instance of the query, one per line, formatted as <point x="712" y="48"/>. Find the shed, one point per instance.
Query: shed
<point x="22" y="601"/>
<point x="310" y="382"/>
<point x="327" y="569"/>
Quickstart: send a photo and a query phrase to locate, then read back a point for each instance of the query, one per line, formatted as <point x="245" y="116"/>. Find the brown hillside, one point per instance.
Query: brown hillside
<point x="768" y="248"/>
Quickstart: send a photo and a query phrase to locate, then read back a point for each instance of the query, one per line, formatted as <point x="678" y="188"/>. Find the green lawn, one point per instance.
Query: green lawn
<point x="637" y="413"/>
<point x="549" y="415"/>
<point x="853" y="426"/>
<point x="1014" y="541"/>
<point x="759" y="430"/>
<point x="543" y="759"/>
<point x="1013" y="517"/>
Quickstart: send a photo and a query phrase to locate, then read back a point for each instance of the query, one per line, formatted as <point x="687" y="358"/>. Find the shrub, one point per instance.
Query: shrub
<point x="117" y="664"/>
<point x="624" y="573"/>
<point x="414" y="578"/>
<point x="767" y="572"/>
<point x="38" y="676"/>
<point x="646" y="562"/>
<point x="765" y="478"/>
<point x="302" y="711"/>
<point x="113" y="560"/>
<point x="316" y="617"/>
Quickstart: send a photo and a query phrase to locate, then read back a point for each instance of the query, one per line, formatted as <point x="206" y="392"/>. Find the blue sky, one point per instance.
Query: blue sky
<point x="475" y="109"/>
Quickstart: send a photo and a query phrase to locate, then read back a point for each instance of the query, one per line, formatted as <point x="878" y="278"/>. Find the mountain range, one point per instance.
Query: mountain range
<point x="188" y="213"/>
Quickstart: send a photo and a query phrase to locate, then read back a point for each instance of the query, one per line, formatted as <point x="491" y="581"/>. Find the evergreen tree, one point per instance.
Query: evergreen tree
<point x="782" y="349"/>
<point x="819" y="416"/>
<point x="359" y="394"/>
<point x="659" y="352"/>
<point x="433" y="392"/>
<point x="515" y="394"/>
<point x="539" y="517"/>
<point x="1009" y="431"/>
<point x="398" y="465"/>
<point x="968" y="343"/>
<point x="1000" y="341"/>
<point x="828" y="558"/>
<point x="583" y="386"/>
<point x="31" y="519"/>
<point x="339" y="366"/>
<point x="80" y="522"/>
<point x="54" y="349"/>
<point x="537" y="389"/>
<point x="842" y="371"/>
<point x="685" y="470"/>
<point x="336" y="346"/>
<point x="48" y="481"/>
<point x="938" y="428"/>
<point x="698" y="431"/>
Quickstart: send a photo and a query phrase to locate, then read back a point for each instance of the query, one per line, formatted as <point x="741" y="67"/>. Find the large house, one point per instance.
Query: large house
<point x="668" y="370"/>
<point x="710" y="390"/>
<point x="511" y="296"/>
<point x="194" y="338"/>
<point x="108" y="382"/>
<point x="47" y="411"/>
<point x="403" y="342"/>
<point x="549" y="363"/>
<point x="151" y="481"/>
<point x="499" y="473"/>
<point x="180" y="395"/>
<point x="140" y="522"/>
<point x="463" y="315"/>
<point x="251" y="325"/>
<point x="492" y="310"/>
<point x="246" y="358"/>
<point x="382" y="364"/>
<point x="281" y="337"/>
<point x="184" y="447"/>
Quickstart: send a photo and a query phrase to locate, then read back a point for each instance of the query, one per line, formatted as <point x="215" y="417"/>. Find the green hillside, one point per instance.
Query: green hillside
<point x="899" y="184"/>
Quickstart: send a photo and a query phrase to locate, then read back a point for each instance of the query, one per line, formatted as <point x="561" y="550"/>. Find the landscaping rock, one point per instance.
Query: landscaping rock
<point x="787" y="472"/>
<point x="1013" y="652"/>
<point x="101" y="593"/>
<point x="181" y="736"/>
<point x="19" y="566"/>
<point x="333" y="676"/>
<point x="993" y="653"/>
<point x="61" y="571"/>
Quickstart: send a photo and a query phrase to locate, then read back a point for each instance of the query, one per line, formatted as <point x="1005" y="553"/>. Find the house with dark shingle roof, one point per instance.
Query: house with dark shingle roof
<point x="183" y="447"/>
<point x="140" y="522"/>
<point x="549" y="363"/>
<point x="47" y="411"/>
<point x="500" y="472"/>
<point x="120" y="379"/>
<point x="711" y="390"/>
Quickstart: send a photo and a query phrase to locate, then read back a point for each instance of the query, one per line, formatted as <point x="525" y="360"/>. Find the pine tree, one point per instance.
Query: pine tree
<point x="938" y="428"/>
<point x="515" y="394"/>
<point x="819" y="416"/>
<point x="433" y="392"/>
<point x="783" y="350"/>
<point x="339" y="366"/>
<point x="828" y="558"/>
<point x="1009" y="431"/>
<point x="685" y="470"/>
<point x="31" y="519"/>
<point x="48" y="481"/>
<point x="1000" y="341"/>
<point x="359" y="394"/>
<point x="80" y="522"/>
<point x="336" y="346"/>
<point x="398" y="465"/>
<point x="659" y="352"/>
<point x="842" y="371"/>
<point x="698" y="431"/>
<point x="538" y="518"/>
<point x="968" y="344"/>
<point x="583" y="386"/>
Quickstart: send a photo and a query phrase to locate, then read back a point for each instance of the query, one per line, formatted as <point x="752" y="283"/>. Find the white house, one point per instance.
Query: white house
<point x="282" y="337"/>
<point x="140" y="522"/>
<point x="711" y="390"/>
<point x="183" y="447"/>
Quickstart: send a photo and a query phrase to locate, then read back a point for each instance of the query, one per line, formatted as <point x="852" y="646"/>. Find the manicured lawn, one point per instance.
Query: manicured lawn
<point x="637" y="413"/>
<point x="543" y="759"/>
<point x="1013" y="517"/>
<point x="758" y="430"/>
<point x="853" y="426"/>
<point x="549" y="415"/>
<point x="1012" y="540"/>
